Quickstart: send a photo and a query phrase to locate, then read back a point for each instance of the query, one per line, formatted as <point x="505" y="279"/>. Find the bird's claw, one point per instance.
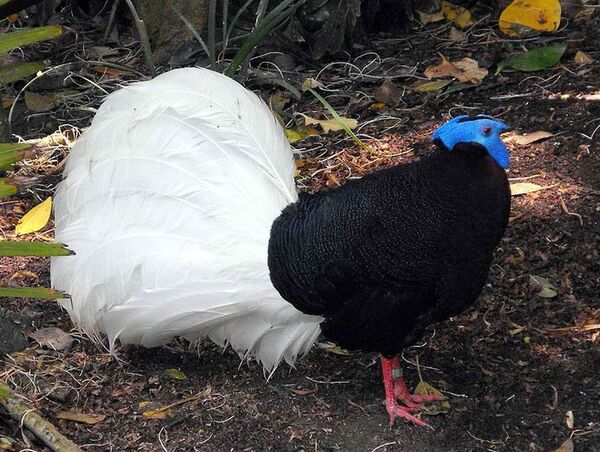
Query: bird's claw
<point x="396" y="411"/>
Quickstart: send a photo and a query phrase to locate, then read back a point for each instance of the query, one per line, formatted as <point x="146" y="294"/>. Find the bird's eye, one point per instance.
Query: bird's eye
<point x="487" y="130"/>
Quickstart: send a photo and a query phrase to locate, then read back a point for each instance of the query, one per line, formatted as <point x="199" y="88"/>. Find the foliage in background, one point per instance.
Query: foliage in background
<point x="13" y="152"/>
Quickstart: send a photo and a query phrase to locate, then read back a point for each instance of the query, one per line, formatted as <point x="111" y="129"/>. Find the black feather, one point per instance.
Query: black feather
<point x="383" y="257"/>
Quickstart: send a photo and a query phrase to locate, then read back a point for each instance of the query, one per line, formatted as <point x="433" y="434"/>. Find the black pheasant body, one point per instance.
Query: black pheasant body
<point x="383" y="257"/>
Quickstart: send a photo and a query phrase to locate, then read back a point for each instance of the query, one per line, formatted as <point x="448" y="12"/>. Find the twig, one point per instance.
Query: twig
<point x="573" y="214"/>
<point x="40" y="427"/>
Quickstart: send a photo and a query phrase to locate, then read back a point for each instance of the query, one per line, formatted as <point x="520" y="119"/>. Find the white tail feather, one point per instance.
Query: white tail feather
<point x="168" y="201"/>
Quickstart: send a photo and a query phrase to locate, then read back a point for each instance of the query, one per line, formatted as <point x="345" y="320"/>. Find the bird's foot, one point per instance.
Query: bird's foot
<point x="415" y="401"/>
<point x="404" y="412"/>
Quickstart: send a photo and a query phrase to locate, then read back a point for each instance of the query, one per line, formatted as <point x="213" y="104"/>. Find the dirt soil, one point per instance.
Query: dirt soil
<point x="515" y="367"/>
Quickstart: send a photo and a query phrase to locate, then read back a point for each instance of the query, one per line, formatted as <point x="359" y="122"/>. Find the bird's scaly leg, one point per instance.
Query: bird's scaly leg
<point x="395" y="389"/>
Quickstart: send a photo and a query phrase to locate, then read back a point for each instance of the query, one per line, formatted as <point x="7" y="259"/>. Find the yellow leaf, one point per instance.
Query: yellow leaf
<point x="582" y="58"/>
<point x="428" y="87"/>
<point x="329" y="125"/>
<point x="522" y="188"/>
<point x="300" y="134"/>
<point x="157" y="414"/>
<point x="457" y="14"/>
<point x="523" y="16"/>
<point x="337" y="350"/>
<point x="176" y="374"/>
<point x="35" y="219"/>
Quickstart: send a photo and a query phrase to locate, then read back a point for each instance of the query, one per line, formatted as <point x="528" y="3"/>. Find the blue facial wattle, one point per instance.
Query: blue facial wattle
<point x="483" y="130"/>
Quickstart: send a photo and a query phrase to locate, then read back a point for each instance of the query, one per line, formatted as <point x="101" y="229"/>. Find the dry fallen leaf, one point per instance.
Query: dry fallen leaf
<point x="36" y="218"/>
<point x="522" y="188"/>
<point x="522" y="17"/>
<point x="389" y="93"/>
<point x="53" y="338"/>
<point x="528" y="138"/>
<point x="310" y="83"/>
<point x="457" y="14"/>
<point x="81" y="417"/>
<point x="456" y="35"/>
<point x="424" y="388"/>
<point x="582" y="58"/>
<point x="329" y="125"/>
<point x="300" y="134"/>
<point x="570" y="419"/>
<point x="465" y="70"/>
<point x="427" y="18"/>
<point x="427" y="87"/>
<point x="39" y="103"/>
<point x="304" y="391"/>
<point x="567" y="446"/>
<point x="175" y="374"/>
<point x="546" y="288"/>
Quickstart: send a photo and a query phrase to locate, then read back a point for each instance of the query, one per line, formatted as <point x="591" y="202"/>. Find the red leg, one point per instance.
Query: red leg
<point x="395" y="389"/>
<point x="394" y="410"/>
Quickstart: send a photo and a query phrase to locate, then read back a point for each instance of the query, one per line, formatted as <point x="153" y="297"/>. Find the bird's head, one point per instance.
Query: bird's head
<point x="480" y="129"/>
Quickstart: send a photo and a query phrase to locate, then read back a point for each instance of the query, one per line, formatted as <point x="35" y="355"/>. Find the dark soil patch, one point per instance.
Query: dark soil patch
<point x="513" y="365"/>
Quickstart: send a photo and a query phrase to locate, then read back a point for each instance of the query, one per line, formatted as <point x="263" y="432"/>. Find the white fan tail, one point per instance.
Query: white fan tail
<point x="168" y="201"/>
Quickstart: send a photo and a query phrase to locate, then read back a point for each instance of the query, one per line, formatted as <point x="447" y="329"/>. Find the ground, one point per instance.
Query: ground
<point x="513" y="366"/>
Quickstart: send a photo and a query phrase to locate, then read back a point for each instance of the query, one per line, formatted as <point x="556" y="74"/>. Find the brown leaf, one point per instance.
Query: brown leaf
<point x="582" y="58"/>
<point x="567" y="446"/>
<point x="389" y="93"/>
<point x="465" y="70"/>
<point x="39" y="103"/>
<point x="53" y="338"/>
<point x="528" y="138"/>
<point x="81" y="417"/>
<point x="304" y="391"/>
<point x="426" y="18"/>
<point x="457" y="36"/>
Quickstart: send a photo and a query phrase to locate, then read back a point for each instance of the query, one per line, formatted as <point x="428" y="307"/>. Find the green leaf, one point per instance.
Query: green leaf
<point x="16" y="248"/>
<point x="13" y="152"/>
<point x="12" y="73"/>
<point x="4" y="392"/>
<point x="176" y="374"/>
<point x="273" y="20"/>
<point x="20" y="38"/>
<point x="6" y="189"/>
<point x="534" y="60"/>
<point x="30" y="292"/>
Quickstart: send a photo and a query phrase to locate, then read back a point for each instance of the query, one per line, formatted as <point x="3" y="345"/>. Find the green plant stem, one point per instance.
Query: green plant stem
<point x="342" y="123"/>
